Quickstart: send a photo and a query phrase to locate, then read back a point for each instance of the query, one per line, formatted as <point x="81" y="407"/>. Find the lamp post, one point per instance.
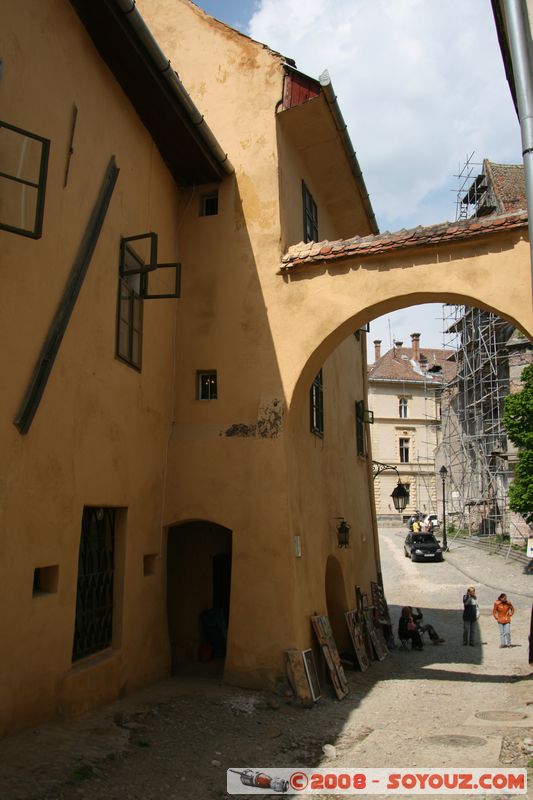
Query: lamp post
<point x="443" y="473"/>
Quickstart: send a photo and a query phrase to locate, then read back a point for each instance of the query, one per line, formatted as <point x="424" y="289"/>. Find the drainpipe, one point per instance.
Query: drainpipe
<point x="127" y="7"/>
<point x="331" y="98"/>
<point x="519" y="36"/>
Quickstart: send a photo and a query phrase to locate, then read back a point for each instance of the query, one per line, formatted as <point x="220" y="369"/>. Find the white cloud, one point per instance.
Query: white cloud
<point x="420" y="84"/>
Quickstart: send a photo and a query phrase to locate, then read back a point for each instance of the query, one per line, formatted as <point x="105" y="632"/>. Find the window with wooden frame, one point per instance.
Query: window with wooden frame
<point x="138" y="261"/>
<point x="404" y="446"/>
<point x="23" y="171"/>
<point x="402" y="407"/>
<point x="310" y="215"/>
<point x="207" y="385"/>
<point x="316" y="404"/>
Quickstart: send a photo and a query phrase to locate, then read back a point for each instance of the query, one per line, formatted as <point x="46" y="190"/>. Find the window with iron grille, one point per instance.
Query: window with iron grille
<point x="404" y="450"/>
<point x="316" y="403"/>
<point x="23" y="171"/>
<point x="360" y="427"/>
<point x="94" y="599"/>
<point x="402" y="408"/>
<point x="310" y="215"/>
<point x="207" y="385"/>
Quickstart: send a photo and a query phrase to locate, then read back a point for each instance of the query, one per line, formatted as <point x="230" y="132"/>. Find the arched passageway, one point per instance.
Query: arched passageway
<point x="337" y="603"/>
<point x="334" y="288"/>
<point x="198" y="591"/>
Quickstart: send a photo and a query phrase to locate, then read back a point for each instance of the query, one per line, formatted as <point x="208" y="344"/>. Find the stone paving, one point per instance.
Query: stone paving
<point x="447" y="705"/>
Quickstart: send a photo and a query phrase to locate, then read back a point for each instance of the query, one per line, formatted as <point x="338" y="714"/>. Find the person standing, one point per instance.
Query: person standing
<point x="502" y="612"/>
<point x="470" y="616"/>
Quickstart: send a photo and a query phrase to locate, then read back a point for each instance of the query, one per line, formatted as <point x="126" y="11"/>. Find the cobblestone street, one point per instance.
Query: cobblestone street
<point x="446" y="706"/>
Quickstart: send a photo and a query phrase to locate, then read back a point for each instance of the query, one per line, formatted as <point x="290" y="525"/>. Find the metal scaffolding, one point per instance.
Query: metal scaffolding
<point x="474" y="445"/>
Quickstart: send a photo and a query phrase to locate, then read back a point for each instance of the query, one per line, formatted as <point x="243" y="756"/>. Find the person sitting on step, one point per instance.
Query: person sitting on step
<point x="407" y="629"/>
<point x="418" y="618"/>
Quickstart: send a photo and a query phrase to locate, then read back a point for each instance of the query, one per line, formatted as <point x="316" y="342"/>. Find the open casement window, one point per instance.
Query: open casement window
<point x="316" y="404"/>
<point x="310" y="215"/>
<point x="140" y="278"/>
<point x="23" y="170"/>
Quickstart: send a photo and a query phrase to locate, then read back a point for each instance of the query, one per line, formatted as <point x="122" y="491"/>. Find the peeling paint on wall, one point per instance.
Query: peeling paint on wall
<point x="268" y="426"/>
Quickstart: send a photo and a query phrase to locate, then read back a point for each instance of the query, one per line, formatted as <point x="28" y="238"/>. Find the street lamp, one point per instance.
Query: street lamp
<point x="400" y="497"/>
<point x="443" y="473"/>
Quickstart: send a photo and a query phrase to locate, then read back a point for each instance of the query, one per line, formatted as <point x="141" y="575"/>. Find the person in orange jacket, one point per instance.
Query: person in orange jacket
<point x="502" y="612"/>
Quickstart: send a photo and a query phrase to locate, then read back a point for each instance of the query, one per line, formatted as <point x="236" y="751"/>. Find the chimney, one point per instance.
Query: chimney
<point x="397" y="343"/>
<point x="377" y="349"/>
<point x="415" y="341"/>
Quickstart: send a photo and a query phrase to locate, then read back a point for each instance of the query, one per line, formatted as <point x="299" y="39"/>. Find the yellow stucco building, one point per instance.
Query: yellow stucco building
<point x="151" y="471"/>
<point x="182" y="419"/>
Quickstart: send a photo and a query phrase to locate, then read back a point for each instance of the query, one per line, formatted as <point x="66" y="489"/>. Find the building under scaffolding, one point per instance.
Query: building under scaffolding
<point x="489" y="355"/>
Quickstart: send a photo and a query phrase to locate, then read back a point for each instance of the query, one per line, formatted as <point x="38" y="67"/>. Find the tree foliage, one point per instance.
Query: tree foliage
<point x="518" y="421"/>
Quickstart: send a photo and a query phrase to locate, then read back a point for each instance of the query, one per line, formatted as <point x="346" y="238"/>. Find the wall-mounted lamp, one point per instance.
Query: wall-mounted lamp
<point x="400" y="497"/>
<point x="343" y="533"/>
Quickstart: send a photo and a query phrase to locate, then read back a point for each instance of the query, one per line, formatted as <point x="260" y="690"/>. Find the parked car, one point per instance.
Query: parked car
<point x="433" y="518"/>
<point x="422" y="546"/>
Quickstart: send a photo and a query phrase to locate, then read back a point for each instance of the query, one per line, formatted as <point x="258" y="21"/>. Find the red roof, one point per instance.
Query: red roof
<point x="398" y="364"/>
<point x="508" y="185"/>
<point x="306" y="255"/>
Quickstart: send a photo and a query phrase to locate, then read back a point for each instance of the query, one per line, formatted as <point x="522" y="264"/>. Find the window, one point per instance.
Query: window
<point x="94" y="599"/>
<point x="138" y="272"/>
<point x="404" y="450"/>
<point x="403" y="408"/>
<point x="207" y="385"/>
<point x="360" y="427"/>
<point x="310" y="216"/>
<point x="45" y="580"/>
<point x="23" y="170"/>
<point x="316" y="402"/>
<point x="132" y="287"/>
<point x="209" y="205"/>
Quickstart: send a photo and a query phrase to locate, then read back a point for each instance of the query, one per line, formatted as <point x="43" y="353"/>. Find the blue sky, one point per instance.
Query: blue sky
<point x="421" y="86"/>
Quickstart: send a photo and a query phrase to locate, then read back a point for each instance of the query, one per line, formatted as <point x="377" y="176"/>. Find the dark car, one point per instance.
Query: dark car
<point x="422" y="547"/>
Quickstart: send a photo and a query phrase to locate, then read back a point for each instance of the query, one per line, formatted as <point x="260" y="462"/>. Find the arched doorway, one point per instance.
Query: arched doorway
<point x="198" y="591"/>
<point x="337" y="603"/>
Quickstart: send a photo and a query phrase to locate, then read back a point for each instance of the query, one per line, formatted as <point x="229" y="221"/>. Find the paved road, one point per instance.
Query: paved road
<point x="449" y="706"/>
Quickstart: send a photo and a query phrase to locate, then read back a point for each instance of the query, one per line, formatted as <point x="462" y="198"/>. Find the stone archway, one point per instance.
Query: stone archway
<point x="334" y="288"/>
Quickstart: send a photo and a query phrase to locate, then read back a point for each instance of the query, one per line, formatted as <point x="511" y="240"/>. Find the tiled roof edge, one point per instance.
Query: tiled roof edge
<point x="301" y="255"/>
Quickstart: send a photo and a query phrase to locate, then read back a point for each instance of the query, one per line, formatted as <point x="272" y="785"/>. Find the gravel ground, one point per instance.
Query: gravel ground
<point x="449" y="706"/>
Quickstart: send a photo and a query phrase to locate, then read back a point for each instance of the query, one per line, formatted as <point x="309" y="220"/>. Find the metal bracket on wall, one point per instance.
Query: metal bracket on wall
<point x="57" y="329"/>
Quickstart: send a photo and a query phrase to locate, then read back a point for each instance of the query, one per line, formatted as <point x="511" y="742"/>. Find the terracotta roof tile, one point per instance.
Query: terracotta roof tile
<point x="304" y="255"/>
<point x="508" y="184"/>
<point x="397" y="364"/>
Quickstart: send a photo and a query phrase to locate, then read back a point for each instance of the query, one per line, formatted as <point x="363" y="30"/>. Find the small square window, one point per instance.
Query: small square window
<point x="207" y="385"/>
<point x="209" y="205"/>
<point x="45" y="580"/>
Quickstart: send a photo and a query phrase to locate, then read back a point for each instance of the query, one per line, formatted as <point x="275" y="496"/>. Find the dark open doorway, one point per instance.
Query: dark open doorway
<point x="198" y="592"/>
